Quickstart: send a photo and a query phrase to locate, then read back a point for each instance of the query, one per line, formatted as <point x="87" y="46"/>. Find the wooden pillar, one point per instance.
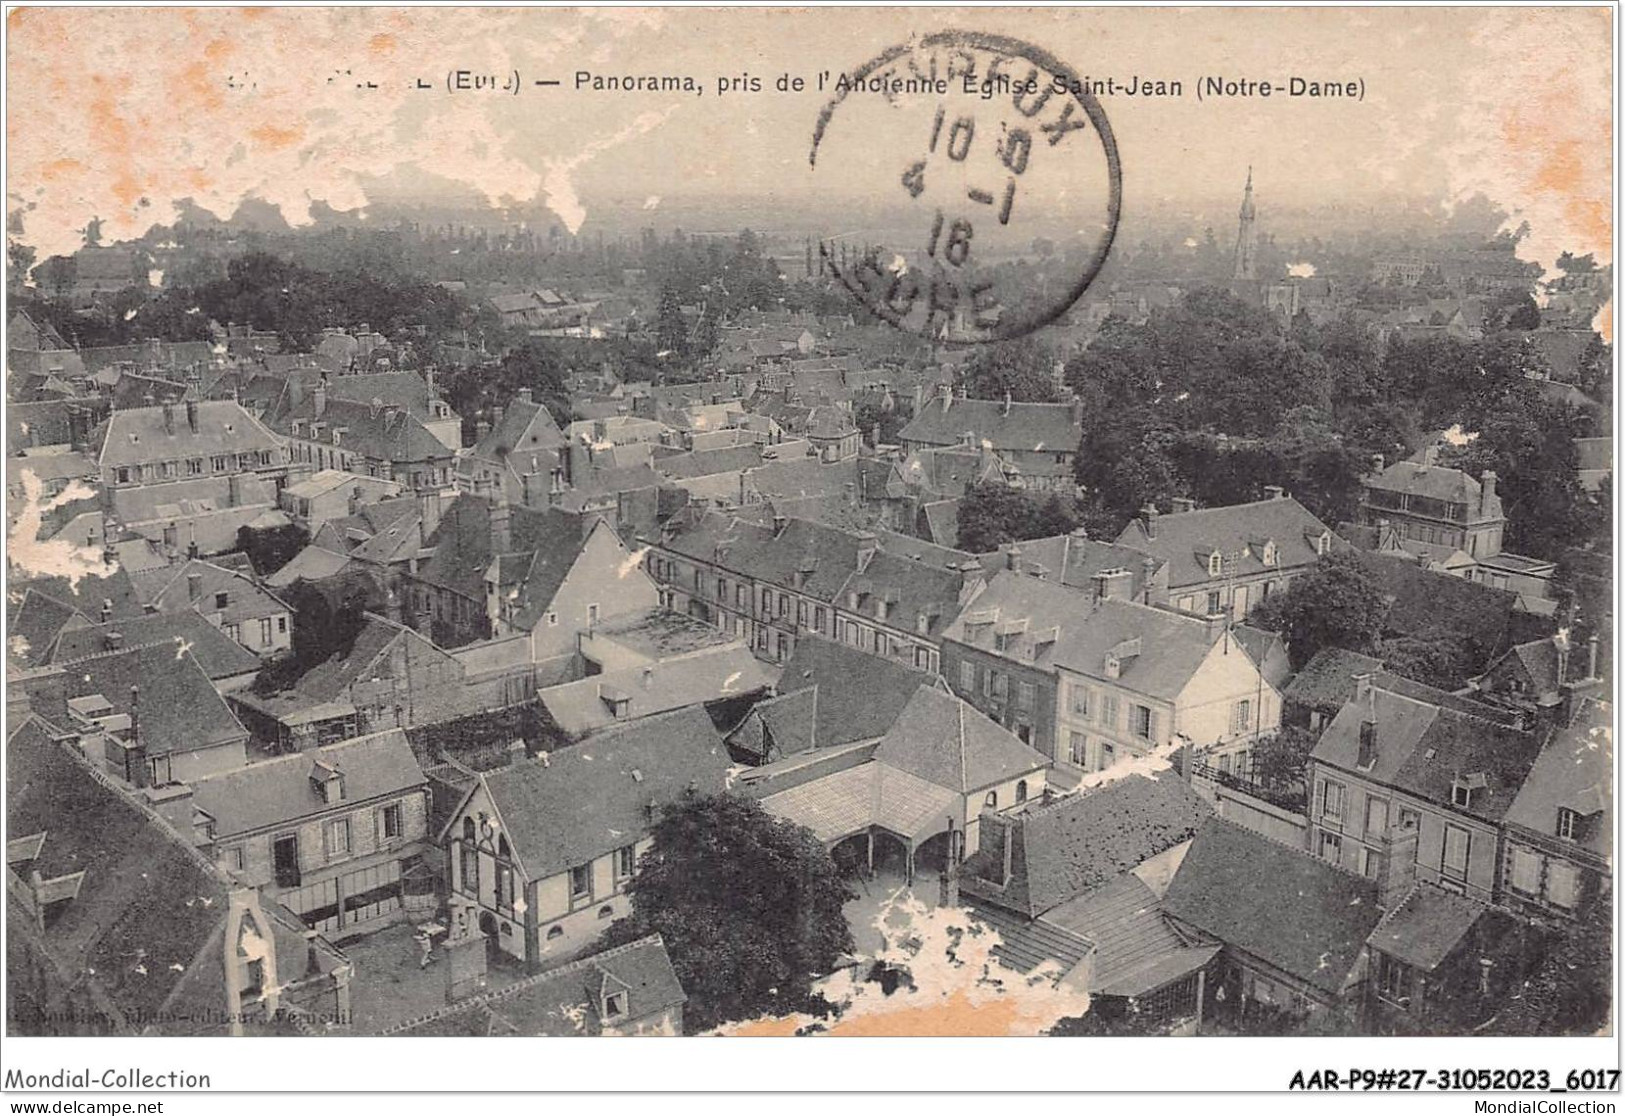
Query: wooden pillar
<point x="908" y="863"/>
<point x="1201" y="989"/>
<point x="871" y="851"/>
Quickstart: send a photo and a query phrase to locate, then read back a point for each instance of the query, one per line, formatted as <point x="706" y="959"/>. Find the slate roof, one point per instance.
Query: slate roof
<point x="1574" y="771"/>
<point x="462" y="542"/>
<point x="219" y="655"/>
<point x="1076" y="843"/>
<point x="327" y="684"/>
<point x="88" y="594"/>
<point x="557" y="548"/>
<point x="583" y="706"/>
<point x="566" y="1001"/>
<point x="380" y="433"/>
<point x="525" y="427"/>
<point x="1327" y="683"/>
<point x="1172" y="647"/>
<point x="1184" y="539"/>
<point x="279" y="791"/>
<point x="853" y="799"/>
<point x="865" y="693"/>
<point x="314" y="563"/>
<point x="34" y="627"/>
<point x="1020" y="426"/>
<point x="778" y="727"/>
<point x="169" y="589"/>
<point x="1278" y="904"/>
<point x="408" y="391"/>
<point x="1426" y="927"/>
<point x="1436" y="482"/>
<point x="947" y="742"/>
<point x="179" y="708"/>
<point x="1025" y="944"/>
<point x="705" y="463"/>
<point x="1074" y="560"/>
<point x="1040" y="609"/>
<point x="138" y="435"/>
<point x="622" y="772"/>
<point x="38" y="424"/>
<point x="147" y="905"/>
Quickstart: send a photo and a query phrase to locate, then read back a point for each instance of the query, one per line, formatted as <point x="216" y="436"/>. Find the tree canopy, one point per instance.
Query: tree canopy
<point x="749" y="907"/>
<point x="1337" y="604"/>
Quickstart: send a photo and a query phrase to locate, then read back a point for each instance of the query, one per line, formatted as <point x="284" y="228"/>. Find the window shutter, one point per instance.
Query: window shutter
<point x="1151" y="722"/>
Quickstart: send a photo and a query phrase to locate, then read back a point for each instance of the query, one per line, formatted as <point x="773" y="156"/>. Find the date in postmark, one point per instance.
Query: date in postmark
<point x="989" y="132"/>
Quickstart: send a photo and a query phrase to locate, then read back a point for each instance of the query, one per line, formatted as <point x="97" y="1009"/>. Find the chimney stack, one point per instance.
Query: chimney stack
<point x="138" y="751"/>
<point x="1113" y="585"/>
<point x="194" y="586"/>
<point x="1487" y="481"/>
<point x="1012" y="557"/>
<point x="1148" y="520"/>
<point x="1367" y="694"/>
<point x="524" y="395"/>
<point x="867" y="545"/>
<point x="1148" y="570"/>
<point x="780" y="522"/>
<point x="501" y="527"/>
<point x="319" y="398"/>
<point x="1183" y="504"/>
<point x="107" y="609"/>
<point x="1378" y="463"/>
<point x="1561" y="644"/>
<point x="191" y="414"/>
<point x="169" y="417"/>
<point x="1274" y="492"/>
<point x="115" y="641"/>
<point x="428" y="514"/>
<point x="1591" y="656"/>
<point x="1007" y="403"/>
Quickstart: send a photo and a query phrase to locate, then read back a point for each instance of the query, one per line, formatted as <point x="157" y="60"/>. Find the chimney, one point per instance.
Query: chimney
<point x="496" y="416"/>
<point x="428" y="514"/>
<point x="867" y="545"/>
<point x="313" y="964"/>
<point x="579" y="463"/>
<point x="1006" y="409"/>
<point x="524" y="395"/>
<point x="1487" y="481"/>
<point x="1080" y="533"/>
<point x="780" y="522"/>
<point x="194" y="586"/>
<point x="136" y="761"/>
<point x="1378" y="463"/>
<point x="1217" y="623"/>
<point x="107" y="609"/>
<point x="114" y="640"/>
<point x="501" y="532"/>
<point x="1148" y="520"/>
<point x="1113" y="585"/>
<point x="1561" y="644"/>
<point x="517" y="750"/>
<point x="319" y="398"/>
<point x="191" y="414"/>
<point x="1274" y="492"/>
<point x="1591" y="656"/>
<point x="648" y="676"/>
<point x="482" y="430"/>
<point x="174" y="804"/>
<point x="919" y="397"/>
<point x="169" y="417"/>
<point x="1430" y="456"/>
<point x="1012" y="557"/>
<point x="1148" y="571"/>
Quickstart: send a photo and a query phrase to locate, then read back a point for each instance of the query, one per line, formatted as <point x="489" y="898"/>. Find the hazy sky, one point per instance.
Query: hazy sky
<point x="118" y="113"/>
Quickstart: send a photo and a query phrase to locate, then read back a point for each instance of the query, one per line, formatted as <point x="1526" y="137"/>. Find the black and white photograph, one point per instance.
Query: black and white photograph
<point x="942" y="524"/>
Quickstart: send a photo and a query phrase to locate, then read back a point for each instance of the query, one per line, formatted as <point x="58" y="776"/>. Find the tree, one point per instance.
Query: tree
<point x="271" y="548"/>
<point x="749" y="907"/>
<point x="1023" y="369"/>
<point x="671" y="332"/>
<point x="1337" y="604"/>
<point x="1279" y="760"/>
<point x="991" y="515"/>
<point x="1568" y="990"/>
<point x="1434" y="656"/>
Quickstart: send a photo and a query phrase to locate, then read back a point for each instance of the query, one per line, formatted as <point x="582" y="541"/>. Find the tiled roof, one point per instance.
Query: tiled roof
<point x="567" y="1001"/>
<point x="1123" y="918"/>
<point x="947" y="742"/>
<point x="1426" y="926"/>
<point x="1015" y="426"/>
<point x="179" y="708"/>
<point x="1025" y="944"/>
<point x="1083" y="841"/>
<point x="1275" y="903"/>
<point x="1184" y="539"/>
<point x="623" y="771"/>
<point x="219" y="655"/>
<point x="279" y="791"/>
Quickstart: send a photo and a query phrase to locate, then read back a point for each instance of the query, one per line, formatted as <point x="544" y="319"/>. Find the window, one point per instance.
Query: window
<point x="121" y="475"/>
<point x="1331" y="801"/>
<point x="194" y="467"/>
<point x="1372" y="868"/>
<point x="1025" y="695"/>
<point x="739" y="596"/>
<point x="1393" y="980"/>
<point x="1525" y="870"/>
<point x="1215" y="564"/>
<point x="281" y="625"/>
<point x="1001" y="685"/>
<point x="468" y="877"/>
<point x="220" y="463"/>
<point x="581" y="883"/>
<point x="1568" y="824"/>
<point x="265" y="632"/>
<point x="1376" y="817"/>
<point x="1108" y="711"/>
<point x="615" y="1005"/>
<point x="1021" y="791"/>
<point x="555" y="932"/>
<point x="1457" y="842"/>
<point x="592" y="615"/>
<point x="504" y="881"/>
<point x="1077" y="748"/>
<point x="338" y="837"/>
<point x="1562" y="884"/>
<point x="1409" y="819"/>
<point x="1140" y="721"/>
<point x="234" y="858"/>
<point x="991" y="802"/>
<point x="1080" y="701"/>
<point x="1331" y="847"/>
<point x="391" y="821"/>
<point x="784" y="604"/>
<point x="818" y="619"/>
<point x="1213" y="604"/>
<point x="1241" y="716"/>
<point x="625" y="861"/>
<point x="1108" y="755"/>
<point x="220" y="600"/>
<point x="1323" y="545"/>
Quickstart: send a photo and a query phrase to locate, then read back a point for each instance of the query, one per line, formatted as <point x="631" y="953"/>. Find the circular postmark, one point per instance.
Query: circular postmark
<point x="985" y="150"/>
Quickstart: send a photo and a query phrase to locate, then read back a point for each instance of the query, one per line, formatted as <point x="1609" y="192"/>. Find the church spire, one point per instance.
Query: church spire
<point x="1246" y="267"/>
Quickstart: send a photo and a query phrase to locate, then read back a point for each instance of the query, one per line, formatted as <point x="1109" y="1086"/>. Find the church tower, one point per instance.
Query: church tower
<point x="1247" y="237"/>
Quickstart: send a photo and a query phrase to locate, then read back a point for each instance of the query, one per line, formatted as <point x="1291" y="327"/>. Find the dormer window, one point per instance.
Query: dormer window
<point x="615" y="1006"/>
<point x="1323" y="544"/>
<point x="1468" y="789"/>
<point x="1569" y="823"/>
<point x="328" y="782"/>
<point x="1268" y="555"/>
